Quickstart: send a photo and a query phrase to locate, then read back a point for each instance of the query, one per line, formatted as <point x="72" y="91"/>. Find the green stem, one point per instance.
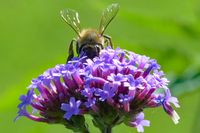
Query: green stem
<point x="107" y="129"/>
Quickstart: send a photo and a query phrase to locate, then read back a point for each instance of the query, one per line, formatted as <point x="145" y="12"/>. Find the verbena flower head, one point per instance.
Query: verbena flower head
<point x="113" y="88"/>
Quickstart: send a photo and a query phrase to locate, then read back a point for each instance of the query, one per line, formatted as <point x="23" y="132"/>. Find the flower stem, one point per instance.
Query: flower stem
<point x="107" y="129"/>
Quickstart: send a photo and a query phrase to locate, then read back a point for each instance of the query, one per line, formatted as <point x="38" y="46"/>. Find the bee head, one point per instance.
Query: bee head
<point x="90" y="43"/>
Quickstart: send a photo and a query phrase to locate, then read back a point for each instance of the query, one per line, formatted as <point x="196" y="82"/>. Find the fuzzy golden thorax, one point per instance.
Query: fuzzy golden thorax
<point x="90" y="37"/>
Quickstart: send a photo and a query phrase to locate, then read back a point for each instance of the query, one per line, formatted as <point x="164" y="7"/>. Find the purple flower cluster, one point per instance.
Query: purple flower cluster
<point x="114" y="87"/>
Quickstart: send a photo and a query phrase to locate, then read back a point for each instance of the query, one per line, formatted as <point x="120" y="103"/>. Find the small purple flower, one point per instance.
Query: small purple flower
<point x="117" y="79"/>
<point x="152" y="66"/>
<point x="88" y="92"/>
<point x="125" y="98"/>
<point x="168" y="108"/>
<point x="26" y="99"/>
<point x="107" y="93"/>
<point x="72" y="108"/>
<point x="139" y="122"/>
<point x="133" y="83"/>
<point x="90" y="102"/>
<point x="142" y="61"/>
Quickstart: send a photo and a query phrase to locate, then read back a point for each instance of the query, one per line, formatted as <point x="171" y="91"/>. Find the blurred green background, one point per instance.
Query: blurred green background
<point x="33" y="38"/>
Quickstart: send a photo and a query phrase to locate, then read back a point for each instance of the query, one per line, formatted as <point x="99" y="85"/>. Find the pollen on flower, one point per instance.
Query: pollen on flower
<point x="114" y="87"/>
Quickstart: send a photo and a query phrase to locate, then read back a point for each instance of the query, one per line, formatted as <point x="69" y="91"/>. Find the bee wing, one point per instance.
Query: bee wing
<point x="71" y="17"/>
<point x="107" y="16"/>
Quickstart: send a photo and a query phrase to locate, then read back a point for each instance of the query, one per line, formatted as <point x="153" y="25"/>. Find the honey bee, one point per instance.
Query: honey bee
<point x="89" y="41"/>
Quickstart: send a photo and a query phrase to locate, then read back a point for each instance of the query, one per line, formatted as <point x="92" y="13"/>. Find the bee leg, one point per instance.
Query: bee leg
<point x="71" y="50"/>
<point x="109" y="40"/>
